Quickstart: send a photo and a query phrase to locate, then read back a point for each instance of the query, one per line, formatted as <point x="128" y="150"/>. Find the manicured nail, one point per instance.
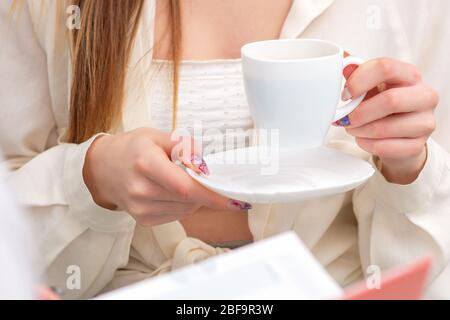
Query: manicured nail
<point x="346" y="95"/>
<point x="239" y="205"/>
<point x="200" y="164"/>
<point x="344" y="122"/>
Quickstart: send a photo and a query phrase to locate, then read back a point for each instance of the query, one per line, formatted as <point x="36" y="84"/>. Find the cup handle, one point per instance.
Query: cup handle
<point x="352" y="105"/>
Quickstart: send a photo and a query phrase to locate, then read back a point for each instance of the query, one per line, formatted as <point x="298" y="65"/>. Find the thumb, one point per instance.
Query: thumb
<point x="348" y="71"/>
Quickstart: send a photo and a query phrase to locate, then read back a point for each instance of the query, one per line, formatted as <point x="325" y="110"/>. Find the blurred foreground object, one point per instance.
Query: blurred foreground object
<point x="16" y="274"/>
<point x="280" y="267"/>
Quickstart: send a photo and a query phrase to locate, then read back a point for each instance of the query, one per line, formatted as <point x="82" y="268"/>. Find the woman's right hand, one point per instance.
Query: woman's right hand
<point x="133" y="172"/>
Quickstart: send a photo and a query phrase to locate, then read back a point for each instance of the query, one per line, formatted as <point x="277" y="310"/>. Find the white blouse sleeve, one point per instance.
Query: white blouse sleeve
<point x="401" y="223"/>
<point x="46" y="176"/>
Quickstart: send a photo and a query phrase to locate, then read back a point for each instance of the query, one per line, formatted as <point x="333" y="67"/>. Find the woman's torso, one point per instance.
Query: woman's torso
<point x="213" y="109"/>
<point x="211" y="96"/>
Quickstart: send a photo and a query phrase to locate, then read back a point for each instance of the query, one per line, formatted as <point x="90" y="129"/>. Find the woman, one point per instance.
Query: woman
<point x="117" y="207"/>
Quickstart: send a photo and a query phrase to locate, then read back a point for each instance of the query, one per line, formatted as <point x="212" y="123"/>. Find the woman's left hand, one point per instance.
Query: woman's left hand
<point x="395" y="120"/>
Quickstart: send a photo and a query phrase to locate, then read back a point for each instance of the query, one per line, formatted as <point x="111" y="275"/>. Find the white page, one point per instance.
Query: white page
<point x="277" y="268"/>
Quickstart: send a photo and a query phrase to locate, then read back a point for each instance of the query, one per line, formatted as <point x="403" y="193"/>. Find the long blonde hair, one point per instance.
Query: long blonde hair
<point x="100" y="52"/>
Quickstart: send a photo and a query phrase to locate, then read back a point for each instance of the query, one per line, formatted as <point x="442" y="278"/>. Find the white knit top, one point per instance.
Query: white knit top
<point x="211" y="99"/>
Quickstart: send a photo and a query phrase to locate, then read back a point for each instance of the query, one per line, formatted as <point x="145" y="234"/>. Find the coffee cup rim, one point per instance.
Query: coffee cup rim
<point x="246" y="47"/>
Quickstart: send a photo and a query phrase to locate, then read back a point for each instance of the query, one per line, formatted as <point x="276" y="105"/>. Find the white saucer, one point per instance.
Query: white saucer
<point x="250" y="174"/>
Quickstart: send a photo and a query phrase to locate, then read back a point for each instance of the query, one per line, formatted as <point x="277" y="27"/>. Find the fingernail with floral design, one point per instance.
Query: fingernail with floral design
<point x="198" y="165"/>
<point x="239" y="205"/>
<point x="344" y="122"/>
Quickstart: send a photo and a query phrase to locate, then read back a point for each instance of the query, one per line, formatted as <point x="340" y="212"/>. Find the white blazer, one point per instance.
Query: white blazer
<point x="378" y="224"/>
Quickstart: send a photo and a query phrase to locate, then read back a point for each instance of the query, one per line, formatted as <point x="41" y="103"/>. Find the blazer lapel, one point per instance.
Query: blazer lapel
<point x="302" y="13"/>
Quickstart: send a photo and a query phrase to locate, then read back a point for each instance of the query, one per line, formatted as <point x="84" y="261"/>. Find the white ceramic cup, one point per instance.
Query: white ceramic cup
<point x="294" y="86"/>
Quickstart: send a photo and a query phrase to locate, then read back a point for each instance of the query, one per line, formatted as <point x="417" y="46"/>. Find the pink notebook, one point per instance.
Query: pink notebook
<point x="406" y="283"/>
